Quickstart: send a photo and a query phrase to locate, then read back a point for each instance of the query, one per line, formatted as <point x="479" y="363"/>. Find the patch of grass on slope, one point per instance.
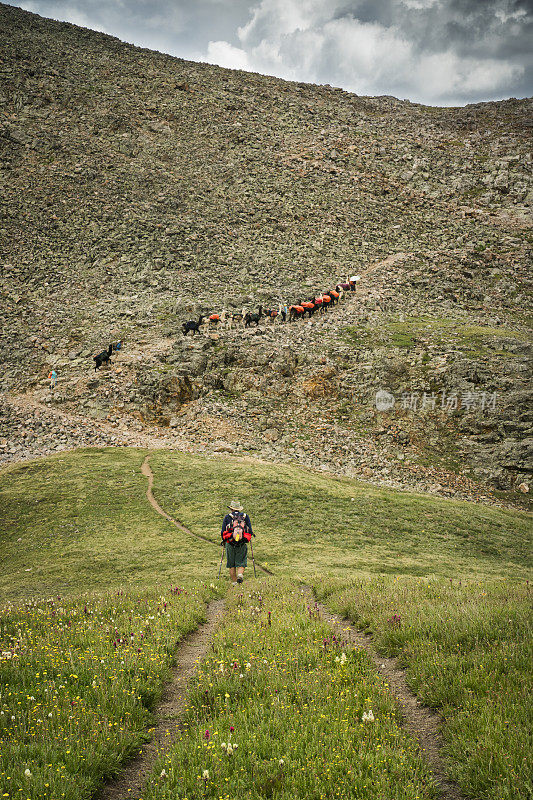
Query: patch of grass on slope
<point x="306" y="522"/>
<point x="468" y="649"/>
<point x="77" y="682"/>
<point x="278" y="711"/>
<point x="81" y="521"/>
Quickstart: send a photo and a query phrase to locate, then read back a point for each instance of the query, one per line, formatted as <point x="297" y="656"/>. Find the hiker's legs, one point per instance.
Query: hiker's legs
<point x="241" y="561"/>
<point x="230" y="562"/>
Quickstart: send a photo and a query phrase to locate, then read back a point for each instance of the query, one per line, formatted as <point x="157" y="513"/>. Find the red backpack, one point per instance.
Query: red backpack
<point x="237" y="531"/>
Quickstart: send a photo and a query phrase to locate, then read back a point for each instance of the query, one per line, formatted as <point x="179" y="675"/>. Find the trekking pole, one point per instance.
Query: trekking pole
<point x="253" y="559"/>
<point x="221" y="560"/>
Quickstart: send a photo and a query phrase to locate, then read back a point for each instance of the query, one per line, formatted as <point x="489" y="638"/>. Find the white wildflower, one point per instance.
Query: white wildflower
<point x="368" y="716"/>
<point x="205" y="774"/>
<point x="248" y="665"/>
<point x="163" y="774"/>
<point x="337" y="659"/>
<point x="343" y="658"/>
<point x="27" y="773"/>
<point x="229" y="750"/>
<point x="223" y="745"/>
<point x="281" y="762"/>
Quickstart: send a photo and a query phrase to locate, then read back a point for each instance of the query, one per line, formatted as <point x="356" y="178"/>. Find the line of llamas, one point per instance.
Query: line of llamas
<point x="316" y="303"/>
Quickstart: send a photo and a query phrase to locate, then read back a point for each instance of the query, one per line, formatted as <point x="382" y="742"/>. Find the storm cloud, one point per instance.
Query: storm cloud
<point x="442" y="52"/>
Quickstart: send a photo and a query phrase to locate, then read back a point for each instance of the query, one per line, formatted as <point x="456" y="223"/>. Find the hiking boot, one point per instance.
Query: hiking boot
<point x="239" y="579"/>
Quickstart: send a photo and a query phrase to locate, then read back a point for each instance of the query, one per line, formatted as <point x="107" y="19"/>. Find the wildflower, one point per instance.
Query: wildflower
<point x="281" y="762"/>
<point x="231" y="729"/>
<point x="343" y="658"/>
<point x="223" y="745"/>
<point x="27" y="773"/>
<point x="207" y="735"/>
<point x="368" y="716"/>
<point x="163" y="774"/>
<point x="205" y="774"/>
<point x="248" y="665"/>
<point x="229" y="750"/>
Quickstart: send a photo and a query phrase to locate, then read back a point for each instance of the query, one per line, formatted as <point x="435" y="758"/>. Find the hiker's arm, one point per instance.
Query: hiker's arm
<point x="249" y="524"/>
<point x="224" y="525"/>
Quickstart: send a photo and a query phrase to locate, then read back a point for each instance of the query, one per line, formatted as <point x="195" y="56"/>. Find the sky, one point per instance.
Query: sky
<point x="439" y="52"/>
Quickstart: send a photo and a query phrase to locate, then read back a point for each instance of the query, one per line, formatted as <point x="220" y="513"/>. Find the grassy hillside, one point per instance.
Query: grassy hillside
<point x="80" y="521"/>
<point x="101" y="588"/>
<point x="467" y="647"/>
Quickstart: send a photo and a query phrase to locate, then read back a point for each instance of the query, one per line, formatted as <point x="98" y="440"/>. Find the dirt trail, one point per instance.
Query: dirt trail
<point x="146" y="470"/>
<point x="422" y="723"/>
<point x="190" y="652"/>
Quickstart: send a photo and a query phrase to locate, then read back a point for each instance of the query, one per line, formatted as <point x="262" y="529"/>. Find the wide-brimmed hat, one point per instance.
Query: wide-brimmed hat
<point x="235" y="506"/>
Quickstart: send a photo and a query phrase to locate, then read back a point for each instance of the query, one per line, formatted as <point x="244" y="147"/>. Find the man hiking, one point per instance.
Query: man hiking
<point x="236" y="533"/>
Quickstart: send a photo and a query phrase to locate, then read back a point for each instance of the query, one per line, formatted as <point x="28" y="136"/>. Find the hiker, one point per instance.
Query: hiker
<point x="53" y="379"/>
<point x="236" y="533"/>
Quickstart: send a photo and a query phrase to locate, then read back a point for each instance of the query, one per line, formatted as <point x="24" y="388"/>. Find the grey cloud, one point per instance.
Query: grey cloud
<point x="435" y="51"/>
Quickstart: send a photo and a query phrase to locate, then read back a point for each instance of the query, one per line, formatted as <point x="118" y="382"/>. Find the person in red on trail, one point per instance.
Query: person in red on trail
<point x="236" y="533"/>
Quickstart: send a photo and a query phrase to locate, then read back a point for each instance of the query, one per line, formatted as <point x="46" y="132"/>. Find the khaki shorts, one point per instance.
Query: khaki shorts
<point x="236" y="556"/>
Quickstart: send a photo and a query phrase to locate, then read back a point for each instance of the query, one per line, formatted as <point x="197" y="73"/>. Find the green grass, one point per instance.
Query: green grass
<point x="306" y="522"/>
<point x="81" y="521"/>
<point x="276" y="689"/>
<point x="468" y="652"/>
<point x="77" y="681"/>
<point x="76" y="529"/>
<point x="408" y="333"/>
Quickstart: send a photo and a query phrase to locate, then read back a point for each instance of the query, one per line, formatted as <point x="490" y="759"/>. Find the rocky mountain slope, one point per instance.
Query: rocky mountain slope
<point x="139" y="190"/>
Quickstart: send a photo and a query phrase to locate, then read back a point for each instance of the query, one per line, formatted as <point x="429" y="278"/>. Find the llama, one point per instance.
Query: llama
<point x="295" y="312"/>
<point x="271" y="313"/>
<point x="249" y="317"/>
<point x="103" y="357"/>
<point x="191" y="325"/>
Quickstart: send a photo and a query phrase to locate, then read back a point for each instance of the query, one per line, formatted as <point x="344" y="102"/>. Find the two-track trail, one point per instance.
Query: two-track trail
<point x="147" y="471"/>
<point x="422" y="723"/>
<point x="132" y="780"/>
